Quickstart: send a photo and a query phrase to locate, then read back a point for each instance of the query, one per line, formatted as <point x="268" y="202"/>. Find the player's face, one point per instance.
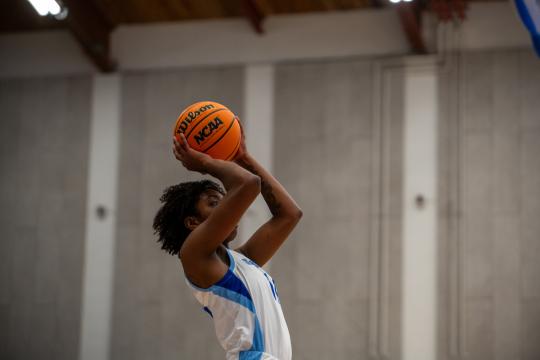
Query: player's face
<point x="208" y="201"/>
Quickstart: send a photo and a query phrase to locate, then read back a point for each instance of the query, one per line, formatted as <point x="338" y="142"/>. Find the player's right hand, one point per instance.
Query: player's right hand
<point x="191" y="159"/>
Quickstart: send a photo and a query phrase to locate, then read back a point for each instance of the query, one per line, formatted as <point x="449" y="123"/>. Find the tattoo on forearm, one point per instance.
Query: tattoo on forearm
<point x="270" y="198"/>
<point x="266" y="191"/>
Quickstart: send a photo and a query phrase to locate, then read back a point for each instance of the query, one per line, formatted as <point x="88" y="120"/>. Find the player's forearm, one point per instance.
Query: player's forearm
<point x="229" y="173"/>
<point x="280" y="203"/>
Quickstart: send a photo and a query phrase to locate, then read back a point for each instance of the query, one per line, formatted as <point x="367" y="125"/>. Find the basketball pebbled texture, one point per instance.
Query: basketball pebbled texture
<point x="211" y="128"/>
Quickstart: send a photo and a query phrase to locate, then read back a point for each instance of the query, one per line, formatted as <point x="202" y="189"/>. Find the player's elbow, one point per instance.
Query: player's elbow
<point x="297" y="214"/>
<point x="292" y="216"/>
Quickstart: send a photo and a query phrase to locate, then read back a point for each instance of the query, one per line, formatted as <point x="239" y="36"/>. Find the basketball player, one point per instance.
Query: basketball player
<point x="199" y="219"/>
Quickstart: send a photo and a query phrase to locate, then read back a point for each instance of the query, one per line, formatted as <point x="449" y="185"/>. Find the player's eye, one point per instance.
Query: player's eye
<point x="214" y="203"/>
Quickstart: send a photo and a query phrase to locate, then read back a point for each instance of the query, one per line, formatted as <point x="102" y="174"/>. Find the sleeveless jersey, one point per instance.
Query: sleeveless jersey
<point x="247" y="314"/>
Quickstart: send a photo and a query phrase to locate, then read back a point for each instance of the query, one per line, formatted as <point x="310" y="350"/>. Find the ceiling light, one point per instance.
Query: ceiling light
<point x="44" y="7"/>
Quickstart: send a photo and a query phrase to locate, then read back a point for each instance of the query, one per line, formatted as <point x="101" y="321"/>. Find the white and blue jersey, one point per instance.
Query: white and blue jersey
<point x="247" y="314"/>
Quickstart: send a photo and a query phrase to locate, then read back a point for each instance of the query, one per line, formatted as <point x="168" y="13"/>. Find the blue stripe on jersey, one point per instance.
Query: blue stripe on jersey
<point x="257" y="343"/>
<point x="234" y="296"/>
<point x="250" y="355"/>
<point x="231" y="282"/>
<point x="233" y="289"/>
<point x="224" y="279"/>
<point x="258" y="339"/>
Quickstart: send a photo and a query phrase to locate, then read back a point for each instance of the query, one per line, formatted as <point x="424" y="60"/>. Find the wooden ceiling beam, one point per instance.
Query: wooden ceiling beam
<point x="254" y="14"/>
<point x="377" y="4"/>
<point x="92" y="30"/>
<point x="410" y="16"/>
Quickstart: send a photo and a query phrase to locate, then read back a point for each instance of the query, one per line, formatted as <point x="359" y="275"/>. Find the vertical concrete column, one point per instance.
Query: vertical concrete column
<point x="100" y="219"/>
<point x="258" y="124"/>
<point x="420" y="210"/>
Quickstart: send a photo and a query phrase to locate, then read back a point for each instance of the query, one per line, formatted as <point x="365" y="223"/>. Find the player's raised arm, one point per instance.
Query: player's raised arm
<point x="285" y="212"/>
<point x="199" y="249"/>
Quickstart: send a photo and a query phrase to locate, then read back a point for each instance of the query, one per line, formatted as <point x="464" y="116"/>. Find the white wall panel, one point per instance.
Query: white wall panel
<point x="487" y="175"/>
<point x="419" y="219"/>
<point x="44" y="142"/>
<point x="101" y="229"/>
<point x="286" y="37"/>
<point x="336" y="133"/>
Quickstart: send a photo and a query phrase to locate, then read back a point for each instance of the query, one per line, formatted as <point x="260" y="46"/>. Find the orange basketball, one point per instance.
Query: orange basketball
<point x="211" y="128"/>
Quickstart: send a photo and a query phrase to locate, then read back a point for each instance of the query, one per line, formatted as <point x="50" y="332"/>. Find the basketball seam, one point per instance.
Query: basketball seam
<point x="197" y="124"/>
<point x="221" y="137"/>
<point x="235" y="150"/>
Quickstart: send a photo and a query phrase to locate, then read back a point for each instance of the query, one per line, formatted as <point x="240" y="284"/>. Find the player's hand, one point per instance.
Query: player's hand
<point x="191" y="159"/>
<point x="242" y="149"/>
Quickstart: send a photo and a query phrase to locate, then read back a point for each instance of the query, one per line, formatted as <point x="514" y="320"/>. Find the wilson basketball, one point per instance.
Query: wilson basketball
<point x="211" y="128"/>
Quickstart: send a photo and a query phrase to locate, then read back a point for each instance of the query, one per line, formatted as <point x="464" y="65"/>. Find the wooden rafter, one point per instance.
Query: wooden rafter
<point x="92" y="30"/>
<point x="254" y="14"/>
<point x="448" y="10"/>
<point x="410" y="17"/>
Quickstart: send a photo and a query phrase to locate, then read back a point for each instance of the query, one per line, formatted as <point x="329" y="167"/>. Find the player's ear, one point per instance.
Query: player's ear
<point x="191" y="222"/>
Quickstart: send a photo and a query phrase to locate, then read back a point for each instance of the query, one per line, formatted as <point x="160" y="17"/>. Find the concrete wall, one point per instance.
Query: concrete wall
<point x="490" y="206"/>
<point x="337" y="150"/>
<point x="44" y="126"/>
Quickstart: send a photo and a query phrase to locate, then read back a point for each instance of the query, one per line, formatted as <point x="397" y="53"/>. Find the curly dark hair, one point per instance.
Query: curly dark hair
<point x="179" y="201"/>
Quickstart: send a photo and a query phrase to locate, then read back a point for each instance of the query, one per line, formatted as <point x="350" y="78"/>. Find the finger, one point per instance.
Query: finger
<point x="183" y="142"/>
<point x="177" y="144"/>
<point x="176" y="154"/>
<point x="181" y="150"/>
